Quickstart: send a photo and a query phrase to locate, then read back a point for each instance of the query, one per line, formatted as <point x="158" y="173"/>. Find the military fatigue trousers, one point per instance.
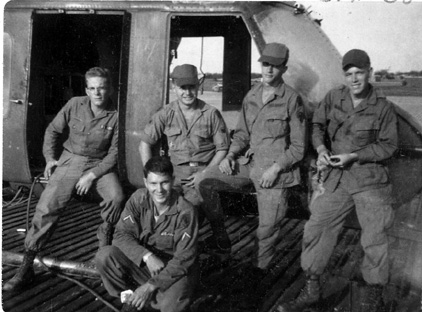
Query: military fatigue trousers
<point x="119" y="273"/>
<point x="58" y="193"/>
<point x="328" y="213"/>
<point x="272" y="205"/>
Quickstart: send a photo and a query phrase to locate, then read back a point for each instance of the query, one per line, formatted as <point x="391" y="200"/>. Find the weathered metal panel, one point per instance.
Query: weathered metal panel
<point x="147" y="82"/>
<point x="406" y="168"/>
<point x="17" y="34"/>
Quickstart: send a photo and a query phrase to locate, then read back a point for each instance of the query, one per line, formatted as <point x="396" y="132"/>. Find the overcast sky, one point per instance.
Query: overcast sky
<point x="391" y="33"/>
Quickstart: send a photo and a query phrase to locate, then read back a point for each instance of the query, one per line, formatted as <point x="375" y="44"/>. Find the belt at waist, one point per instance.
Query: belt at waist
<point x="194" y="164"/>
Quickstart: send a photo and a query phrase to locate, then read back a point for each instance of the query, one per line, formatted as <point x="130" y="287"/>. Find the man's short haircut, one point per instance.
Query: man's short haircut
<point x="158" y="165"/>
<point x="98" y="72"/>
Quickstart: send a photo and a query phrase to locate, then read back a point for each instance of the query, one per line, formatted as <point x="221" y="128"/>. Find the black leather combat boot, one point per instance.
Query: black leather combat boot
<point x="371" y="299"/>
<point x="309" y="295"/>
<point x="25" y="274"/>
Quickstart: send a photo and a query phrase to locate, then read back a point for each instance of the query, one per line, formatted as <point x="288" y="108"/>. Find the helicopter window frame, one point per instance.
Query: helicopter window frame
<point x="236" y="79"/>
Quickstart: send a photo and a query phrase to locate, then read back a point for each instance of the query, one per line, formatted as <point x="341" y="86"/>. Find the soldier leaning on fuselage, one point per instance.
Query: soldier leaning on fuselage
<point x="360" y="127"/>
<point x="272" y="129"/>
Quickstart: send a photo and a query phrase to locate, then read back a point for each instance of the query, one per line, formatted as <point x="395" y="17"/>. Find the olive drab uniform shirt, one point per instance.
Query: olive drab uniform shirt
<point x="369" y="130"/>
<point x="93" y="137"/>
<point x="275" y="132"/>
<point x="197" y="143"/>
<point x="173" y="237"/>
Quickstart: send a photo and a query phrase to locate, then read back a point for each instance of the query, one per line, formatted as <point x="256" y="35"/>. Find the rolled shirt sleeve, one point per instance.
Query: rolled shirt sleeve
<point x="154" y="130"/>
<point x="221" y="136"/>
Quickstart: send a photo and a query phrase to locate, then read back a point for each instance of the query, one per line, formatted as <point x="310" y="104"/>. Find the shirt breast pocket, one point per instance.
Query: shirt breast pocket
<point x="365" y="131"/>
<point x="103" y="137"/>
<point x="203" y="136"/>
<point x="164" y="242"/>
<point x="277" y="125"/>
<point x="172" y="135"/>
<point x="76" y="126"/>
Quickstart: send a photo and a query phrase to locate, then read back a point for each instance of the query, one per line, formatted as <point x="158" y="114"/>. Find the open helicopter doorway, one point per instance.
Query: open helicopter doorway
<point x="220" y="47"/>
<point x="64" y="46"/>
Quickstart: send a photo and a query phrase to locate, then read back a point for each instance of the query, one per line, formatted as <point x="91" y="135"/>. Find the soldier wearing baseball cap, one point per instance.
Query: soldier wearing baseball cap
<point x="197" y="138"/>
<point x="356" y="58"/>
<point x="352" y="154"/>
<point x="268" y="142"/>
<point x="275" y="54"/>
<point x="184" y="75"/>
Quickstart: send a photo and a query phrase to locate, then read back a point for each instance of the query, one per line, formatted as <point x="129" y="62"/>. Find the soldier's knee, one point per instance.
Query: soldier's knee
<point x="119" y="197"/>
<point x="104" y="255"/>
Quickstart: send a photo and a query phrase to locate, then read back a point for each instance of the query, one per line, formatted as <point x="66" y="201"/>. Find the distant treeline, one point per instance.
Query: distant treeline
<point x="386" y="74"/>
<point x="220" y="75"/>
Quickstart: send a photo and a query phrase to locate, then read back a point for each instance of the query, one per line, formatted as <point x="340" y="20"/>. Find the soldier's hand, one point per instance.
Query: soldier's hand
<point x="227" y="165"/>
<point x="85" y="183"/>
<point x="142" y="295"/>
<point x="154" y="264"/>
<point x="342" y="160"/>
<point x="269" y="176"/>
<point x="324" y="158"/>
<point x="190" y="181"/>
<point x="48" y="171"/>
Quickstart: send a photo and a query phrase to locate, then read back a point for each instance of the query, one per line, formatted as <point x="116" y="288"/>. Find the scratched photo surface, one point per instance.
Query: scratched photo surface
<point x="49" y="45"/>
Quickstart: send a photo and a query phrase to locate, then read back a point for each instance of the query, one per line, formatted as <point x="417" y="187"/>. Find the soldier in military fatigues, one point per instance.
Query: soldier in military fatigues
<point x="354" y="133"/>
<point x="272" y="129"/>
<point x="154" y="250"/>
<point x="87" y="163"/>
<point x="197" y="139"/>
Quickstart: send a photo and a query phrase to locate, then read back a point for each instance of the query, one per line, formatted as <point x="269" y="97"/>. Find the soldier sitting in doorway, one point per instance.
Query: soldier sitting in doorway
<point x="354" y="133"/>
<point x="87" y="163"/>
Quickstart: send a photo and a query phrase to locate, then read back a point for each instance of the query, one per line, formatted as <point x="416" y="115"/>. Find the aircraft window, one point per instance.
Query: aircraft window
<point x="7" y="65"/>
<point x="207" y="55"/>
<point x="224" y="52"/>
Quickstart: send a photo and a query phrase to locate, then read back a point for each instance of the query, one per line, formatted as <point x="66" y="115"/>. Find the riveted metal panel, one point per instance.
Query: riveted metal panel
<point x="18" y="28"/>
